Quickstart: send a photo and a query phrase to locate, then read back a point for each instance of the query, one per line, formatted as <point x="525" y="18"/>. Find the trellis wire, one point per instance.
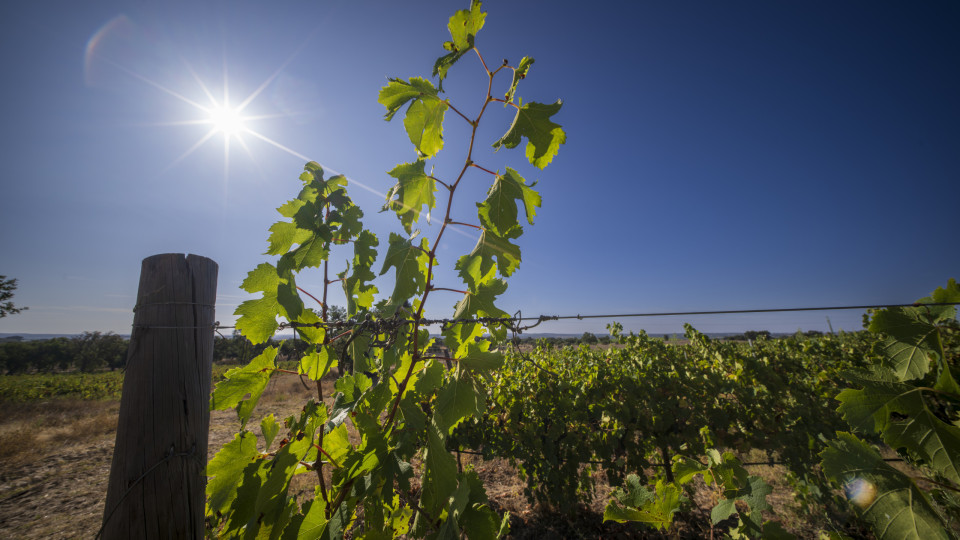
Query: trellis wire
<point x="543" y="318"/>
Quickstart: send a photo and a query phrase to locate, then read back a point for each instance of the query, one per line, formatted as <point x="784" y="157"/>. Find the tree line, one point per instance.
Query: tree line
<point x="96" y="351"/>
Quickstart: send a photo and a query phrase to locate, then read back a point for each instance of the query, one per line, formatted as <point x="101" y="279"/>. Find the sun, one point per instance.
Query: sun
<point x="227" y="120"/>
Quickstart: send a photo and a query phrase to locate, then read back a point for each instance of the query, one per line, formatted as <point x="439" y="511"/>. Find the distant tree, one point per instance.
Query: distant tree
<point x="7" y="286"/>
<point x="95" y="351"/>
<point x="15" y="357"/>
<point x="588" y="338"/>
<point x="754" y="334"/>
<point x="337" y="314"/>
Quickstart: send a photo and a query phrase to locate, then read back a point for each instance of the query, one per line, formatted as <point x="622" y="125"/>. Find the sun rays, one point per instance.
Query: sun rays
<point x="123" y="46"/>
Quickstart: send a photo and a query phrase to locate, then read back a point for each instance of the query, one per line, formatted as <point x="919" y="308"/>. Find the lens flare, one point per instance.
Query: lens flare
<point x="860" y="492"/>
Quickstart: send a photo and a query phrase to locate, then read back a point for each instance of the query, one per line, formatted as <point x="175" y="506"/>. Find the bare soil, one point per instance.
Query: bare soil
<point x="55" y="461"/>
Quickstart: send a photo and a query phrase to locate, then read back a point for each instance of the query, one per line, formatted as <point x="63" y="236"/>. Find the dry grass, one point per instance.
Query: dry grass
<point x="29" y="430"/>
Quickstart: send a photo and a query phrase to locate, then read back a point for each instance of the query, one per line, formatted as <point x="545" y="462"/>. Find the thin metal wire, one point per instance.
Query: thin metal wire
<point x="733" y="311"/>
<point x="543" y="318"/>
<point x="148" y="327"/>
<point x="138" y="306"/>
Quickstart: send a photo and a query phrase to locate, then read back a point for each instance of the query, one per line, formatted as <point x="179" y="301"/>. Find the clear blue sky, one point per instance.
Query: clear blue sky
<point x="719" y="155"/>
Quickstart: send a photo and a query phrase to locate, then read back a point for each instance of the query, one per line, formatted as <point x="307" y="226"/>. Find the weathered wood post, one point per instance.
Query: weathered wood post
<point x="157" y="481"/>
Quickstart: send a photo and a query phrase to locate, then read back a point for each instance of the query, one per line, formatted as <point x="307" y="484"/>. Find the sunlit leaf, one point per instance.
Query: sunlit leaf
<point x="544" y="137"/>
<point x="414" y="189"/>
<point x="890" y="501"/>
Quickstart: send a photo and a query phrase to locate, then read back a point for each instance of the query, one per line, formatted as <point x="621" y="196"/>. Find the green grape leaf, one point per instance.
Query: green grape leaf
<point x="482" y="523"/>
<point x="359" y="351"/>
<point x="887" y="499"/>
<point x="950" y="294"/>
<point x="413" y="416"/>
<point x="398" y="92"/>
<point x="291" y="207"/>
<point x="460" y="337"/>
<point x="900" y="413"/>
<point x="480" y="303"/>
<point x="458" y="400"/>
<point x="463" y="26"/>
<point x="424" y="124"/>
<point x="685" y="469"/>
<point x="475" y="268"/>
<point x="428" y="379"/>
<point x="271" y="509"/>
<point x="317" y="363"/>
<point x="947" y="383"/>
<point x="413" y="190"/>
<point x="479" y="358"/>
<point x="336" y="444"/>
<point x="346" y="222"/>
<point x="544" y="137"/>
<point x="257" y="319"/>
<point x="309" y="254"/>
<point x="755" y="494"/>
<point x="498" y="213"/>
<point x="356" y="286"/>
<point x="424" y="117"/>
<point x="724" y="509"/>
<point x="309" y="330"/>
<point x="518" y="74"/>
<point x="239" y="382"/>
<point x="440" y="475"/>
<point x="410" y="263"/>
<point x="351" y="390"/>
<point x="450" y="530"/>
<point x="283" y="234"/>
<point x="225" y="471"/>
<point x="312" y="523"/>
<point x="911" y="343"/>
<point x="657" y="511"/>
<point x="262" y="278"/>
<point x="269" y="428"/>
<point x="636" y="494"/>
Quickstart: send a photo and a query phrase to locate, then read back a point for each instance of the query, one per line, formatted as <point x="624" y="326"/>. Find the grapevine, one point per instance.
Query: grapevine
<point x="910" y="398"/>
<point x="397" y="404"/>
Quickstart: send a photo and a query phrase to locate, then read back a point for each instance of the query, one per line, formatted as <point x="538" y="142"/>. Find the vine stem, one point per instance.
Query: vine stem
<point x="448" y="289"/>
<point x="483" y="169"/>
<point x="478" y="227"/>
<point x="505" y="102"/>
<point x="322" y="304"/>
<point x="388" y="422"/>
<point x="439" y="181"/>
<point x="326" y="341"/>
<point x="328" y="456"/>
<point x="454" y="109"/>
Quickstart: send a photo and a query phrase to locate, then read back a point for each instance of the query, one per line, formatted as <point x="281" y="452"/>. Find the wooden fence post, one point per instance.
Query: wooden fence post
<point x="157" y="480"/>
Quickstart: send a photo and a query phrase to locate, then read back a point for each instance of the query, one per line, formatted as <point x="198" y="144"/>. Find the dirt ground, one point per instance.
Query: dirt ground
<point x="55" y="461"/>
